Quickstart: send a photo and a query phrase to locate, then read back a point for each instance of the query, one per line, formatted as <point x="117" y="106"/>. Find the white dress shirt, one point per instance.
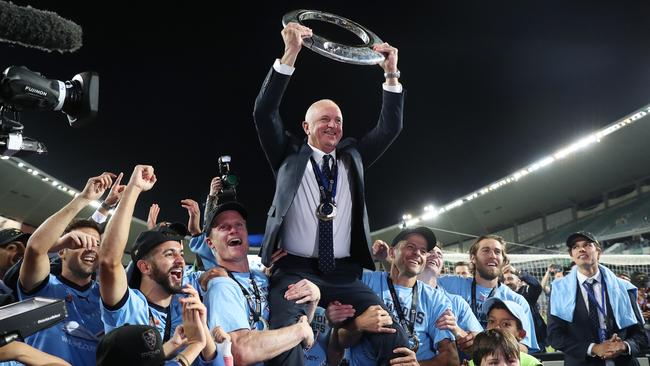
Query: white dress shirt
<point x="300" y="229"/>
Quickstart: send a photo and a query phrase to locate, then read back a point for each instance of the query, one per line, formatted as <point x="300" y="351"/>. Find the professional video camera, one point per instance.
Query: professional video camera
<point x="229" y="180"/>
<point x="23" y="89"/>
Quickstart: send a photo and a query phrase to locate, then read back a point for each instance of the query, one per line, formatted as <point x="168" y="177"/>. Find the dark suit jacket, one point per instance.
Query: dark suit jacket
<point x="574" y="338"/>
<point x="289" y="158"/>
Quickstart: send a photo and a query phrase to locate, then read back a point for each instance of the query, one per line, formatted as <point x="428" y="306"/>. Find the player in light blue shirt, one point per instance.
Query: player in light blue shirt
<point x="488" y="256"/>
<point x="460" y="320"/>
<point x="415" y="305"/>
<point x="238" y="301"/>
<point x="75" y="339"/>
<point x="317" y="354"/>
<point x="156" y="292"/>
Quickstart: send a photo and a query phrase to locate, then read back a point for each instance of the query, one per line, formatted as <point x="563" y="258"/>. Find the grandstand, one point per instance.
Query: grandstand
<point x="600" y="183"/>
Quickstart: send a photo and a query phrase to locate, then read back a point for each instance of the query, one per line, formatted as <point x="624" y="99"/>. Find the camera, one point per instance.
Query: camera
<point x="23" y="89"/>
<point x="229" y="180"/>
<point x="555" y="268"/>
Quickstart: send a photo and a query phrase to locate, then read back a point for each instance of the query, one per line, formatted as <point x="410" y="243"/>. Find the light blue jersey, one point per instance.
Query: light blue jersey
<point x="135" y="309"/>
<point x="463" y="287"/>
<point x="75" y="339"/>
<point x="431" y="305"/>
<point x="463" y="313"/>
<point x="317" y="354"/>
<point x="228" y="307"/>
<point x="199" y="246"/>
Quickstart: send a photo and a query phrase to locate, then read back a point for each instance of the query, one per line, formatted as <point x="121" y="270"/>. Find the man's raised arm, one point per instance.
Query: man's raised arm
<point x="36" y="263"/>
<point x="112" y="276"/>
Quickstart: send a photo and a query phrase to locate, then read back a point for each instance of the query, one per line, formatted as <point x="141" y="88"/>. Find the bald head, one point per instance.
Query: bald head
<point x="316" y="108"/>
<point x="323" y="125"/>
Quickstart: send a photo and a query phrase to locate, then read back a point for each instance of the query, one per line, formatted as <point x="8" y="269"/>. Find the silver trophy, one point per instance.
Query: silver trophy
<point x="358" y="55"/>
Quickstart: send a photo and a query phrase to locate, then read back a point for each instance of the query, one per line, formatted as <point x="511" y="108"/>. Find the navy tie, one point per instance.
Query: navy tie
<point x="325" y="231"/>
<point x="593" y="306"/>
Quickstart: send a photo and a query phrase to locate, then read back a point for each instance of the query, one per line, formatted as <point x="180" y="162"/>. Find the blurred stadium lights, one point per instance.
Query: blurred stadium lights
<point x="431" y="212"/>
<point x="46" y="178"/>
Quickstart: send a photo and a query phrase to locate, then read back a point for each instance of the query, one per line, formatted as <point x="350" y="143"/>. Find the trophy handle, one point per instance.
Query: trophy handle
<point x="359" y="55"/>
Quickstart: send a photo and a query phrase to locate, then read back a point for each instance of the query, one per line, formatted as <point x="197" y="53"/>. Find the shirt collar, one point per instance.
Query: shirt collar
<point x="318" y="154"/>
<point x="582" y="278"/>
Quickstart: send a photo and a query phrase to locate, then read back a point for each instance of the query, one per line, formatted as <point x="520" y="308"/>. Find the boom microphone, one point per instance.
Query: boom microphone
<point x="41" y="29"/>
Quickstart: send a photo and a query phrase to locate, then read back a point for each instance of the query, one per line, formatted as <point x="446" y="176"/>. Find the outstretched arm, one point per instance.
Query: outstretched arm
<point x="253" y="346"/>
<point x="113" y="282"/>
<point x="268" y="122"/>
<point x="36" y="264"/>
<point x="377" y="140"/>
<point x="28" y="355"/>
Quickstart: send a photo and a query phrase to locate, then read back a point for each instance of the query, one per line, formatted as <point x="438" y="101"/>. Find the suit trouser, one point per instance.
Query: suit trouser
<point x="342" y="284"/>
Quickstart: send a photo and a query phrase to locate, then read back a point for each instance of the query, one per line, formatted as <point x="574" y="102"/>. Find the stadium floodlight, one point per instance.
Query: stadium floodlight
<point x="562" y="153"/>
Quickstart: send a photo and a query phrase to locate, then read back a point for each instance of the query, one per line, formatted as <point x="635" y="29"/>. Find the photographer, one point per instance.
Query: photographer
<point x="555" y="271"/>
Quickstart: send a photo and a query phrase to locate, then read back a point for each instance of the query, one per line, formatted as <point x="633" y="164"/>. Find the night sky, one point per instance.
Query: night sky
<point x="491" y="86"/>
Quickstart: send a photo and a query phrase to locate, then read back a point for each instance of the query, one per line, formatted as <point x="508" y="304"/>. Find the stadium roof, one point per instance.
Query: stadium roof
<point x="30" y="196"/>
<point x="611" y="158"/>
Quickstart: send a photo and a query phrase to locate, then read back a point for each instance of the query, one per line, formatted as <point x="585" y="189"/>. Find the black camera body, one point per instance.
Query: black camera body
<point x="556" y="268"/>
<point x="23" y="89"/>
<point x="229" y="180"/>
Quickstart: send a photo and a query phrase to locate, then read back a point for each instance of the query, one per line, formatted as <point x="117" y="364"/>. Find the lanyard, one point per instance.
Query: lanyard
<point x="602" y="333"/>
<point x="398" y="306"/>
<point x="326" y="186"/>
<point x="474" y="307"/>
<point x="168" y="322"/>
<point x="255" y="310"/>
<point x="592" y="296"/>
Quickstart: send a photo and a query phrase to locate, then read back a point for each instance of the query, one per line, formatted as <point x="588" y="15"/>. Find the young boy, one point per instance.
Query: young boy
<point x="496" y="347"/>
<point x="506" y="315"/>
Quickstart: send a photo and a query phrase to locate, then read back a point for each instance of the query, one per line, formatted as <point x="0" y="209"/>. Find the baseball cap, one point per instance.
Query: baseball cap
<point x="147" y="240"/>
<point x="422" y="230"/>
<point x="515" y="309"/>
<point x="10" y="235"/>
<point x="131" y="345"/>
<point x="581" y="234"/>
<point x="226" y="206"/>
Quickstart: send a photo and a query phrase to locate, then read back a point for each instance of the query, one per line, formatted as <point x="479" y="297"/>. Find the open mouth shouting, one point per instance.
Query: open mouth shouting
<point x="89" y="257"/>
<point x="176" y="274"/>
<point x="234" y="242"/>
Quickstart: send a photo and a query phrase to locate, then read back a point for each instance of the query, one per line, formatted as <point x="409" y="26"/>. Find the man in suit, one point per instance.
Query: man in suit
<point x="318" y="215"/>
<point x="593" y="316"/>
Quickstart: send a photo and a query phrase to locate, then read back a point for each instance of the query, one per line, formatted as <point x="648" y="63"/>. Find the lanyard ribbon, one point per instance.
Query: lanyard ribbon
<point x="326" y="185"/>
<point x="255" y="310"/>
<point x="602" y="336"/>
<point x="408" y="325"/>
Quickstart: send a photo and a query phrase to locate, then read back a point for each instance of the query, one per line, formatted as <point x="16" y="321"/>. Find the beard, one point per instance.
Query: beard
<point x="163" y="279"/>
<point x="485" y="272"/>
